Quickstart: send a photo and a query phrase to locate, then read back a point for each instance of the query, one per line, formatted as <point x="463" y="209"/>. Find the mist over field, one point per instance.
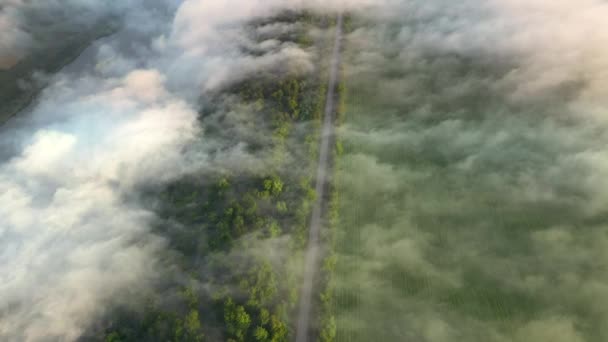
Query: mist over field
<point x="472" y="184"/>
<point x="157" y="164"/>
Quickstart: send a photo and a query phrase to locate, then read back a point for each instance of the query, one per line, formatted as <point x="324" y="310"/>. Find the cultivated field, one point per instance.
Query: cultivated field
<point x="463" y="214"/>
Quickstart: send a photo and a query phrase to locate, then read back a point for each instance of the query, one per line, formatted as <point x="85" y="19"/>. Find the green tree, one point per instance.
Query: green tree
<point x="261" y="334"/>
<point x="237" y="320"/>
<point x="278" y="330"/>
<point x="274" y="229"/>
<point x="113" y="337"/>
<point x="223" y="184"/>
<point x="264" y="316"/>
<point x="328" y="332"/>
<point x="262" y="285"/>
<point x="190" y="297"/>
<point x="273" y="185"/>
<point x="192" y="327"/>
<point x="281" y="207"/>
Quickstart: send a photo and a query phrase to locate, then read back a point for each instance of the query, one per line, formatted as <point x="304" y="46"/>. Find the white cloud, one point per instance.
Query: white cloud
<point x="71" y="246"/>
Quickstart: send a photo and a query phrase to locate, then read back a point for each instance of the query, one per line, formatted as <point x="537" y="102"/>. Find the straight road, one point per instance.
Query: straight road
<point x="312" y="253"/>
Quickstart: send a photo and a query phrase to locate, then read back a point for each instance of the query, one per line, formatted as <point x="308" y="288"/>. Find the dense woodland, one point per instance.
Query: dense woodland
<point x="222" y="289"/>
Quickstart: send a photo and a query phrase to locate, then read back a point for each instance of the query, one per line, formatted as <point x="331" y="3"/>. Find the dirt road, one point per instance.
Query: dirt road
<point x="312" y="253"/>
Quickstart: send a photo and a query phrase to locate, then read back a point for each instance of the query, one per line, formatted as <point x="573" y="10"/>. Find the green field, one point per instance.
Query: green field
<point x="462" y="215"/>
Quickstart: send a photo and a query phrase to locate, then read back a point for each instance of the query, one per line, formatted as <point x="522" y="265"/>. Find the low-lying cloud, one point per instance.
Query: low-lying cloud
<point x="71" y="245"/>
<point x="472" y="187"/>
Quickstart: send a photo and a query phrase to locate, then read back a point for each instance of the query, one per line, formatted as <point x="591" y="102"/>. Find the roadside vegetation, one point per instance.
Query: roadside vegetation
<point x="327" y="328"/>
